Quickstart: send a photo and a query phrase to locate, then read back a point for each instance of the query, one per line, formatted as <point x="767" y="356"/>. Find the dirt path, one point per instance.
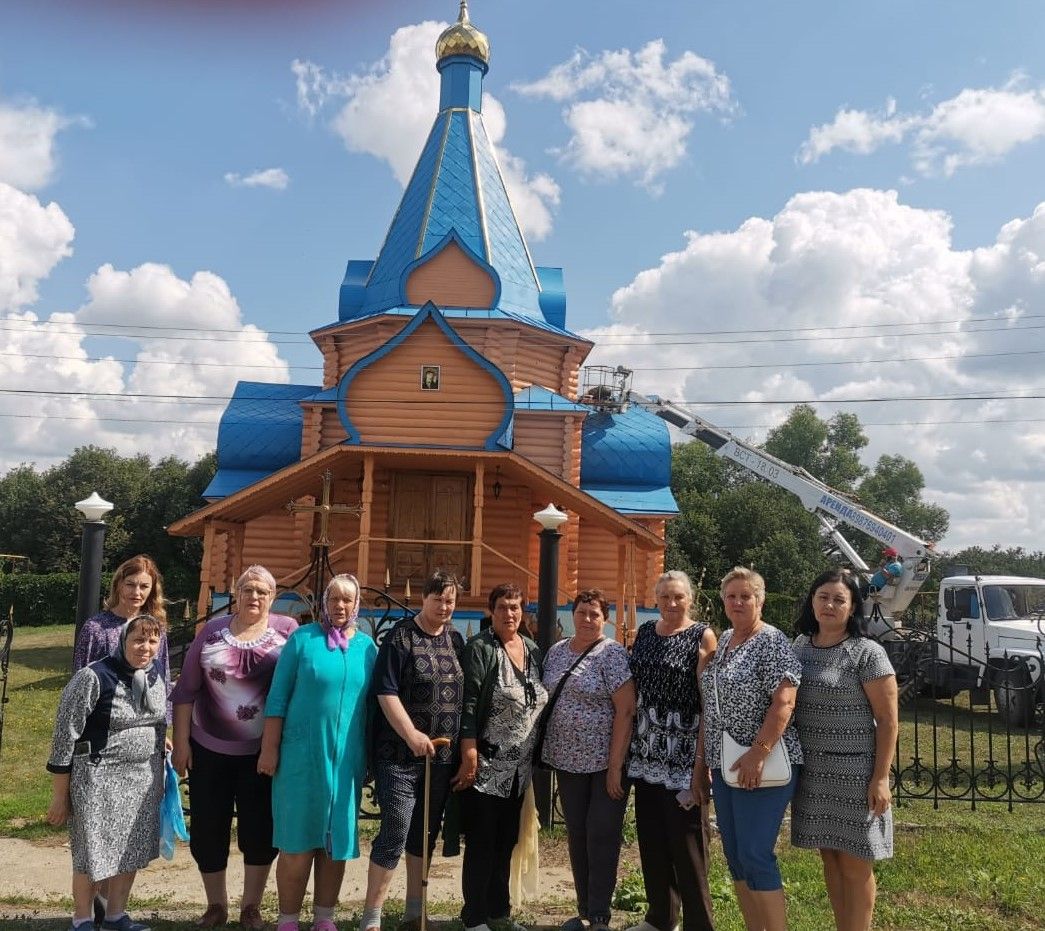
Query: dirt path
<point x="40" y="873"/>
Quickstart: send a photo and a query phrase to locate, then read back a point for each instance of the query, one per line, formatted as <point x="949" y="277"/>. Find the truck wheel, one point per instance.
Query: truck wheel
<point x="1014" y="696"/>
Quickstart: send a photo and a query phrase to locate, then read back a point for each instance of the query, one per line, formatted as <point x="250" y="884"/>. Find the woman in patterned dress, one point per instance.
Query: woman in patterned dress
<point x="503" y="699"/>
<point x="749" y="688"/>
<point x="671" y="821"/>
<point x="107" y="764"/>
<point x="847" y="719"/>
<point x="314" y="747"/>
<point x="219" y="705"/>
<point x="586" y="740"/>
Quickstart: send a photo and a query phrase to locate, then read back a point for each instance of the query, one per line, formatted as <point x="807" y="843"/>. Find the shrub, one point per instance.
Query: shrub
<point x="41" y="600"/>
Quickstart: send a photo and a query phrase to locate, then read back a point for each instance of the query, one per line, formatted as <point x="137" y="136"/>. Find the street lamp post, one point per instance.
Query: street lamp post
<point x="550" y="519"/>
<point x="94" y="510"/>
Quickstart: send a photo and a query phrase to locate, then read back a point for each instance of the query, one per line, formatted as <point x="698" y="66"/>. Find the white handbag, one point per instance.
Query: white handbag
<point x="776" y="768"/>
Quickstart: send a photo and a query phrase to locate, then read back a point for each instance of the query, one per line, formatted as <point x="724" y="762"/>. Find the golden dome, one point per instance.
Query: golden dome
<point x="462" y="38"/>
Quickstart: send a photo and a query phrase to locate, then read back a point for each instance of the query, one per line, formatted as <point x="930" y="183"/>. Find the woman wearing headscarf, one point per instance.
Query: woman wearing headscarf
<point x="107" y="766"/>
<point x="314" y="747"/>
<point x="219" y="705"/>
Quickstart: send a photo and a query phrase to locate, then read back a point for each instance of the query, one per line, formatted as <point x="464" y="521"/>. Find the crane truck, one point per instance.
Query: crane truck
<point x="989" y="631"/>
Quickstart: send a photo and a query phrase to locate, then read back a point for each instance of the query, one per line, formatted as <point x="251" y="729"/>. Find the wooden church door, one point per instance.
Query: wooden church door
<point x="429" y="506"/>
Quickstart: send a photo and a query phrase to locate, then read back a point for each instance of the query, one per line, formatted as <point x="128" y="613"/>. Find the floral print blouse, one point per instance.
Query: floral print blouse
<point x="227" y="681"/>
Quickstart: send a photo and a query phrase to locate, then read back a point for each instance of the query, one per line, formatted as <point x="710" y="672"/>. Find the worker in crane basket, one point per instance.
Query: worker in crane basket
<point x="889" y="571"/>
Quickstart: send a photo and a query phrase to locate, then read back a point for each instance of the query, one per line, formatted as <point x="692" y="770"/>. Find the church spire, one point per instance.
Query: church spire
<point x="462" y="38"/>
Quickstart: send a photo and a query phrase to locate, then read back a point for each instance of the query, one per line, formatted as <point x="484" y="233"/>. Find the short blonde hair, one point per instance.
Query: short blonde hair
<point x="675" y="575"/>
<point x="757" y="583"/>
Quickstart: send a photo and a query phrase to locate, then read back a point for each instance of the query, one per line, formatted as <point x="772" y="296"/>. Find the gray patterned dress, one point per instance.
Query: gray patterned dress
<point x="837" y="730"/>
<point x="114" y="755"/>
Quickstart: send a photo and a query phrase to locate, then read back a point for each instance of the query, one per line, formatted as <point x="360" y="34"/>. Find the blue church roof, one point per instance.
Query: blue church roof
<point x="537" y="398"/>
<point x="259" y="433"/>
<point x="457" y="192"/>
<point x="626" y="461"/>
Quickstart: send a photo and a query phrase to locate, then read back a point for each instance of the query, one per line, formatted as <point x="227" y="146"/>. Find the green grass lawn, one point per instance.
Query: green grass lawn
<point x="954" y="868"/>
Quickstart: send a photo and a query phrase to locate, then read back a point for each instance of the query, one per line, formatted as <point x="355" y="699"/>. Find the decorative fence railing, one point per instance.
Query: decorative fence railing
<point x="970" y="731"/>
<point x="7" y="629"/>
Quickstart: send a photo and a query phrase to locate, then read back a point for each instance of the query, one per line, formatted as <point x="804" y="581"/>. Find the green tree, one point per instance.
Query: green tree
<point x="827" y="449"/>
<point x="894" y="491"/>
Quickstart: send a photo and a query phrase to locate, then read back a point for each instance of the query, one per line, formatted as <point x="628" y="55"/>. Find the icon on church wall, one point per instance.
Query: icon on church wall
<point x="429" y="377"/>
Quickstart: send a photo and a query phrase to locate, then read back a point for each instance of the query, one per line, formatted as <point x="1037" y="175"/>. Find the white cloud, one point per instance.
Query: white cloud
<point x="275" y="178"/>
<point x="977" y="126"/>
<point x="58" y="354"/>
<point x="27" y="143"/>
<point x="819" y="273"/>
<point x="387" y="111"/>
<point x="630" y="114"/>
<point x="33" y="239"/>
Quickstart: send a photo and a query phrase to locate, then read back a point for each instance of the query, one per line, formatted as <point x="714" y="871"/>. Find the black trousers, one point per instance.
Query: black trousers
<point x="491" y="829"/>
<point x="218" y="785"/>
<point x="673" y="849"/>
<point x="593" y="826"/>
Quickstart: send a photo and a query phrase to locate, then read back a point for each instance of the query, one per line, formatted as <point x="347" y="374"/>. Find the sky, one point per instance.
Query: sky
<point x="756" y="204"/>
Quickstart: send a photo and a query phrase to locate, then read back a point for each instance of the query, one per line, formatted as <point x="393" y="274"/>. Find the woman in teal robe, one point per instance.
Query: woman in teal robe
<point x="314" y="747"/>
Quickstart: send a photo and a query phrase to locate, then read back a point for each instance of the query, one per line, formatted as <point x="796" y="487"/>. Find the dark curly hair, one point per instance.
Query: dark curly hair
<point x="807" y="622"/>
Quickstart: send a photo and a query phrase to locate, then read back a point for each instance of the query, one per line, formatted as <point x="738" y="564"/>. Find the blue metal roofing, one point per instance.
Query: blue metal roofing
<point x="456" y="188"/>
<point x="458" y="313"/>
<point x="537" y="398"/>
<point x="631" y="499"/>
<point x="629" y="449"/>
<point x="260" y="432"/>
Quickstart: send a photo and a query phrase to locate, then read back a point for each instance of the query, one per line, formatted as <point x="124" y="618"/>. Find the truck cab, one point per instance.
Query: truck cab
<point x="990" y="633"/>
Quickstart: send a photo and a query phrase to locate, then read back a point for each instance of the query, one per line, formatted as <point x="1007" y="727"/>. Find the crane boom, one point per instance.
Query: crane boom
<point x="830" y="506"/>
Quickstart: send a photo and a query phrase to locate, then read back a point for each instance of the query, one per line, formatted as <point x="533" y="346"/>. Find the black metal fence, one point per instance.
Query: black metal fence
<point x="7" y="629"/>
<point x="971" y="727"/>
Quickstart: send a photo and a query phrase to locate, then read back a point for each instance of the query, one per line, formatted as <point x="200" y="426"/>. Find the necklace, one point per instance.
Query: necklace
<point x="734" y="643"/>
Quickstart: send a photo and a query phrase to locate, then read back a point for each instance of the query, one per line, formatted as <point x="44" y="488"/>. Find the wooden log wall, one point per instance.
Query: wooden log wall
<point x="388" y="406"/>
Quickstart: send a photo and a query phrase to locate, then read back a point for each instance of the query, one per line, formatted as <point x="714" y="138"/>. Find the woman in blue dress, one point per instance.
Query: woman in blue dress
<point x="314" y="747"/>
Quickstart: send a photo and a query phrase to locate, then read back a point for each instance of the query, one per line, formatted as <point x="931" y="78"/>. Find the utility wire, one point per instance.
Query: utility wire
<point x="675" y="368"/>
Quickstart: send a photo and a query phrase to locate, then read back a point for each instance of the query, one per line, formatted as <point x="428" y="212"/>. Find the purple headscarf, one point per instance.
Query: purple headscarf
<point x="336" y="638"/>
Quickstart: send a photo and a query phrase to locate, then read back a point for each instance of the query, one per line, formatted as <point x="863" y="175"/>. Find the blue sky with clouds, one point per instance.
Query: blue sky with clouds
<point x="850" y="188"/>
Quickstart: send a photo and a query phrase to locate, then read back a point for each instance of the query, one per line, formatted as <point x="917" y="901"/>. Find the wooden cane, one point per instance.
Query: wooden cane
<point x="436" y="742"/>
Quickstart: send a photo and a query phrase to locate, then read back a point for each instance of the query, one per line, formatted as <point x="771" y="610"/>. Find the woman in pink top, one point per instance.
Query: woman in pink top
<point x="219" y="714"/>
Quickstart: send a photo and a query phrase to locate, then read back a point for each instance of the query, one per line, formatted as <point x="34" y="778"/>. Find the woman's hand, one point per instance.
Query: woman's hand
<point x="700" y="784"/>
<point x="57" y="813"/>
<point x="879" y="797"/>
<point x="615" y="783"/>
<point x="419" y="744"/>
<point x="749" y="768"/>
<point x="268" y="760"/>
<point x="181" y="757"/>
<point x="466" y="773"/>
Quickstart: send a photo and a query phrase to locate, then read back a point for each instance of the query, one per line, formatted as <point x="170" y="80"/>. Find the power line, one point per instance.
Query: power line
<point x="675" y="368"/>
<point x="146" y="331"/>
<point x="694" y="402"/>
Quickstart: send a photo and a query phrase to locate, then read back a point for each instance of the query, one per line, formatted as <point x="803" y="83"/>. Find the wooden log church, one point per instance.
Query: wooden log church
<point x="451" y="408"/>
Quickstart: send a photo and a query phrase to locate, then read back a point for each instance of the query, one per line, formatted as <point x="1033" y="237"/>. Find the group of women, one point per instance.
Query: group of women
<point x="282" y="726"/>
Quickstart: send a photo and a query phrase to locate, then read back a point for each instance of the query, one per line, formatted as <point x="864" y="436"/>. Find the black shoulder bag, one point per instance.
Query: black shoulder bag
<point x="546" y="715"/>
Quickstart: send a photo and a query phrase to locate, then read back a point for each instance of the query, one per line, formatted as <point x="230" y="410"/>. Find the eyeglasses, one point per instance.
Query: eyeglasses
<point x="249" y="590"/>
